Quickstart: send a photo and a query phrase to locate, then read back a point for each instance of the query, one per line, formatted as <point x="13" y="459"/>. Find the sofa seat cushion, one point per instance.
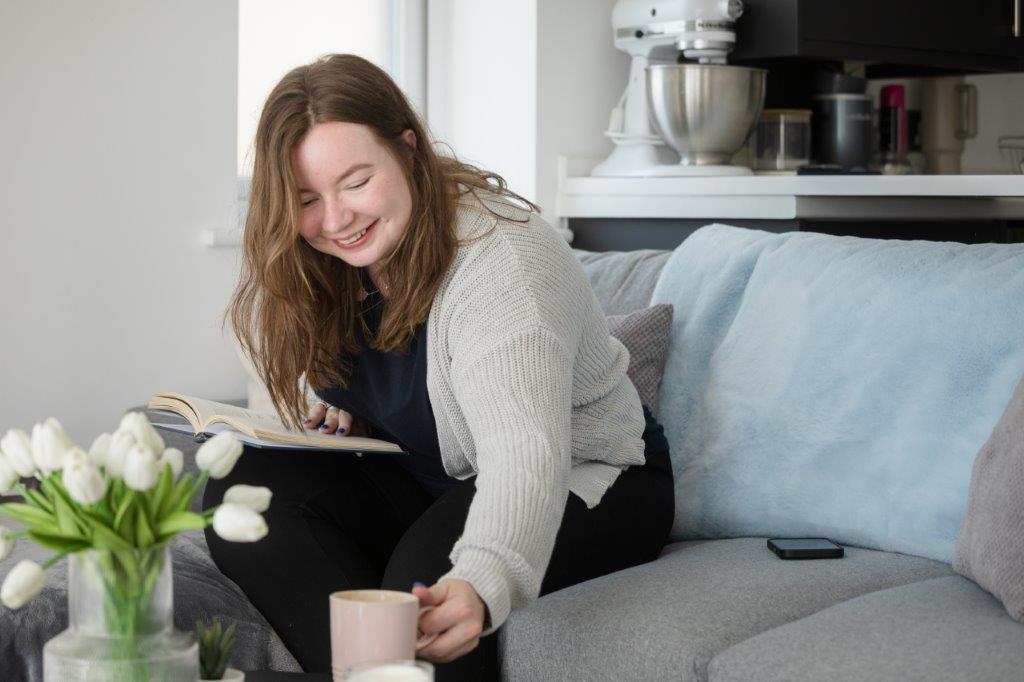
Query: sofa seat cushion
<point x="940" y="629"/>
<point x="668" y="618"/>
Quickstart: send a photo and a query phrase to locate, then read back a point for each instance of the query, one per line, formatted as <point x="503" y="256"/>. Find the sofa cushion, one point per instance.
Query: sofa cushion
<point x="623" y="281"/>
<point x="645" y="334"/>
<point x="668" y="618"/>
<point x="834" y="386"/>
<point x="939" y="629"/>
<point x="990" y="549"/>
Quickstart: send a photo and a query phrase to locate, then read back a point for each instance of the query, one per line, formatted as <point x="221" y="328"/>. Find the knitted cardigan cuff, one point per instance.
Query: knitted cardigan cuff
<point x="495" y="579"/>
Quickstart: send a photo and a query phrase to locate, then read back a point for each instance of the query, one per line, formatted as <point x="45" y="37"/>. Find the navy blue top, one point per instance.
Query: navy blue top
<point x="389" y="391"/>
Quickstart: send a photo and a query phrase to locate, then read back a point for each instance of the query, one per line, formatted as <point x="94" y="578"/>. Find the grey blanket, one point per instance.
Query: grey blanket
<point x="201" y="592"/>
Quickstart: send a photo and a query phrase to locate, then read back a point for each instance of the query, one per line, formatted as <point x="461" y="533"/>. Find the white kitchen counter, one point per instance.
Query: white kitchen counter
<point x="906" y="197"/>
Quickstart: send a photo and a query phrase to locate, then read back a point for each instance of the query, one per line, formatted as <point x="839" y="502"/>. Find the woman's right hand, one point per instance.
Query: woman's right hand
<point x="329" y="419"/>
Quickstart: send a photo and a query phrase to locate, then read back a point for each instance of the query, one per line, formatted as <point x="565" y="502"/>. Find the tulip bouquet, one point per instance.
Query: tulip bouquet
<point x="114" y="509"/>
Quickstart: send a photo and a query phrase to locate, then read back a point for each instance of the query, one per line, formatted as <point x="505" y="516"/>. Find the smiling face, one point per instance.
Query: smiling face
<point x="349" y="182"/>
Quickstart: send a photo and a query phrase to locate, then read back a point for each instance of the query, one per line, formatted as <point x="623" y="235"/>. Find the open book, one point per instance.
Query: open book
<point x="262" y="430"/>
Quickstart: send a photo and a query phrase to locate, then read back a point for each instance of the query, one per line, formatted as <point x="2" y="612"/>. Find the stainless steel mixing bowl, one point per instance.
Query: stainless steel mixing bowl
<point x="705" y="111"/>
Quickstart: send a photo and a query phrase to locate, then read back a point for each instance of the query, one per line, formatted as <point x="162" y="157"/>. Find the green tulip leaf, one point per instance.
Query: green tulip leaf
<point x="143" y="532"/>
<point x="65" y="516"/>
<point x="58" y="543"/>
<point x="30" y="515"/>
<point x="122" y="512"/>
<point x="104" y="538"/>
<point x="124" y="520"/>
<point x="179" y="521"/>
<point x="102" y="512"/>
<point x="180" y="497"/>
<point x="164" y="488"/>
<point x="39" y="501"/>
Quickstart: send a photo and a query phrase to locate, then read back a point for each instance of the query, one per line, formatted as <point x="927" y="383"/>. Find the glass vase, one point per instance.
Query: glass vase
<point x="120" y="621"/>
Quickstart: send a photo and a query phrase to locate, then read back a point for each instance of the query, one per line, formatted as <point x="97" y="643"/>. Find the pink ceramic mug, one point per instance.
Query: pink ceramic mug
<point x="373" y="625"/>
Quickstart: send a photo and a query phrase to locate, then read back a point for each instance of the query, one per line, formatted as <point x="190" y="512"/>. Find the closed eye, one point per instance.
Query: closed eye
<point x="312" y="200"/>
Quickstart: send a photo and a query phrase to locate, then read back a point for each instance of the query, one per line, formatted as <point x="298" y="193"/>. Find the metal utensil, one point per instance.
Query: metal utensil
<point x="705" y="111"/>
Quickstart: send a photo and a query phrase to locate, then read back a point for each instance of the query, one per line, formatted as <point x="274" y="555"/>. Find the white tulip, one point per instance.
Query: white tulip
<point x="18" y="449"/>
<point x="59" y="430"/>
<point x="256" y="498"/>
<point x="5" y="545"/>
<point x="120" y="443"/>
<point x="238" y="523"/>
<point x="174" y="457"/>
<point x="219" y="454"/>
<point x="25" y="581"/>
<point x="99" y="449"/>
<point x="83" y="480"/>
<point x="49" y="443"/>
<point x="144" y="433"/>
<point x="141" y="468"/>
<point x="8" y="476"/>
<point x="75" y="455"/>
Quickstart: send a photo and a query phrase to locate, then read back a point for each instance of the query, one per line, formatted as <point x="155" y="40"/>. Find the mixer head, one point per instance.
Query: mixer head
<point x="703" y="30"/>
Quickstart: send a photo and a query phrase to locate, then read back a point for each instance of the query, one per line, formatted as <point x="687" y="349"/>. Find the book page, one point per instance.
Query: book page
<point x="342" y="444"/>
<point x="262" y="427"/>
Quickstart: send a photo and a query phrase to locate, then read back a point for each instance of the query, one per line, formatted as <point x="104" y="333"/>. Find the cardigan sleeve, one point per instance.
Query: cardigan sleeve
<point x="516" y="396"/>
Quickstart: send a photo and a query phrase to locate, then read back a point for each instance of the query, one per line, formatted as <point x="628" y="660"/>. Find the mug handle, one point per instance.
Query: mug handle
<point x="424" y="640"/>
<point x="967" y="126"/>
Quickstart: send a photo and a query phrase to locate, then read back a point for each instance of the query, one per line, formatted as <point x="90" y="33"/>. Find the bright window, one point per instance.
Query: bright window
<point x="275" y="36"/>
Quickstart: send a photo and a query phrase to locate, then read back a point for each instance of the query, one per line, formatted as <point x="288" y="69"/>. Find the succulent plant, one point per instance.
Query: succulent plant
<point x="215" y="645"/>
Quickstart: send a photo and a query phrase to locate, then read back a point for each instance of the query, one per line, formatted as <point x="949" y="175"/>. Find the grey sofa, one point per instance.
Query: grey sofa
<point x="723" y="609"/>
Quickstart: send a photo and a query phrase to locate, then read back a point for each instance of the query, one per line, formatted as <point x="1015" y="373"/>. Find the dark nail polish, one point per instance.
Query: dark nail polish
<point x="324" y="426"/>
<point x="341" y="429"/>
<point x="306" y="422"/>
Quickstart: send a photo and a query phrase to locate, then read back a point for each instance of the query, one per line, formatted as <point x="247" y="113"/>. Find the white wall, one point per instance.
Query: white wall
<point x="513" y="85"/>
<point x="1000" y="112"/>
<point x="580" y="79"/>
<point x="117" y="134"/>
<point x="482" y="85"/>
<point x="275" y="37"/>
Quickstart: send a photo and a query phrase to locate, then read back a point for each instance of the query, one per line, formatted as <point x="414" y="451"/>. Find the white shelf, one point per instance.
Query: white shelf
<point x="787" y="197"/>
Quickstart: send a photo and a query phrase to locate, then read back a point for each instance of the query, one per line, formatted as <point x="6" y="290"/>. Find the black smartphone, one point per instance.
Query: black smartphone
<point x="805" y="548"/>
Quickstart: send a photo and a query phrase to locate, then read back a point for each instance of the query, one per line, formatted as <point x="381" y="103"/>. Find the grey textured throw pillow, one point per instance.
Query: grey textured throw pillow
<point x="645" y="334"/>
<point x="990" y="548"/>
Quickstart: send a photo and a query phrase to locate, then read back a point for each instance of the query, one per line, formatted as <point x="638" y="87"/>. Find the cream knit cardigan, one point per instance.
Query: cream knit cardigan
<point x="530" y="394"/>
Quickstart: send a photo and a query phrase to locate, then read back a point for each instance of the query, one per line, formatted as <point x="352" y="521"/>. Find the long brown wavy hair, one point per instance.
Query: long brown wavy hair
<point x="295" y="309"/>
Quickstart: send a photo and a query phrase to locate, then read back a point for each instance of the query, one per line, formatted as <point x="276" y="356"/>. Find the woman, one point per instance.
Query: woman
<point x="425" y="308"/>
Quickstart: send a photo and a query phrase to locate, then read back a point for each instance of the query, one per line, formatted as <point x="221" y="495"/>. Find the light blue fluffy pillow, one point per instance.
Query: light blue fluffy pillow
<point x="835" y="386"/>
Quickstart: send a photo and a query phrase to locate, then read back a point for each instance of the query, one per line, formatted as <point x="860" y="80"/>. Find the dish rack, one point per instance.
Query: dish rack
<point x="1012" y="149"/>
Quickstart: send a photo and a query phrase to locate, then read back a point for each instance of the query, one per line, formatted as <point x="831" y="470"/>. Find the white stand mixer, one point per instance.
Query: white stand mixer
<point x="654" y="32"/>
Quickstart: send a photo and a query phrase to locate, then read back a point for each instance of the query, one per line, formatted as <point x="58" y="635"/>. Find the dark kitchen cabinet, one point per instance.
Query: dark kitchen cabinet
<point x="910" y="37"/>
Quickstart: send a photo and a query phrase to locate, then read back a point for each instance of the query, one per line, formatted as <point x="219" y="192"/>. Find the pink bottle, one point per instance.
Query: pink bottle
<point x="892" y="124"/>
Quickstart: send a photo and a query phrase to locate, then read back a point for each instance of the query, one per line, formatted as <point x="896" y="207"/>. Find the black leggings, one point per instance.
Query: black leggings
<point x="341" y="522"/>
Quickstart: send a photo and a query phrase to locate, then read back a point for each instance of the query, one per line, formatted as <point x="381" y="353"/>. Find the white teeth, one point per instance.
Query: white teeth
<point x="355" y="238"/>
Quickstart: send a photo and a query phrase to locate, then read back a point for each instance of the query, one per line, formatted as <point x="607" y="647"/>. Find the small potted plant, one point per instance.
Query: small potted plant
<point x="215" y="645"/>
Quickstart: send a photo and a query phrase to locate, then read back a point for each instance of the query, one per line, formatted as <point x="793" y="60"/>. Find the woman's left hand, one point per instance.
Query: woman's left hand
<point x="457" y="619"/>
